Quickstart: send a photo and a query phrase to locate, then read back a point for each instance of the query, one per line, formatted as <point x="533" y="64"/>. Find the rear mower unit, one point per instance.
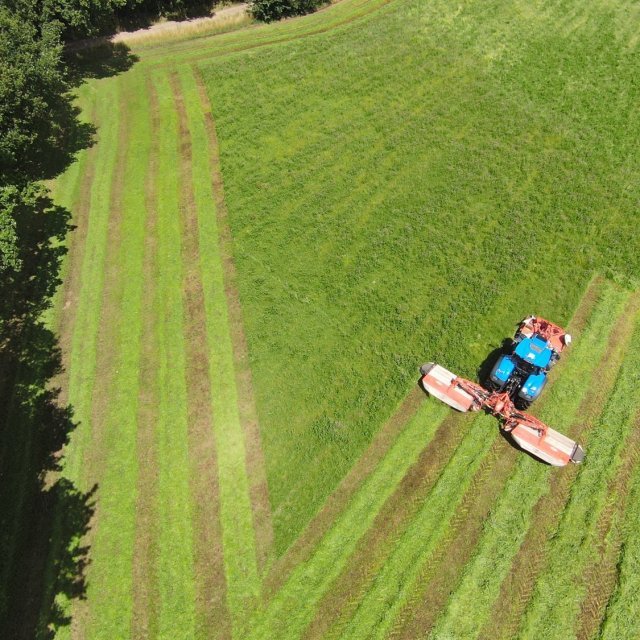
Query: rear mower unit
<point x="539" y="337"/>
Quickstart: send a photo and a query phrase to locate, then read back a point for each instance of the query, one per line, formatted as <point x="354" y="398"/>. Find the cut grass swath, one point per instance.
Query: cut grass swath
<point x="176" y="587"/>
<point x="508" y="522"/>
<point x="113" y="447"/>
<point x="292" y="608"/>
<point x="239" y="546"/>
<point x="531" y="557"/>
<point x="577" y="535"/>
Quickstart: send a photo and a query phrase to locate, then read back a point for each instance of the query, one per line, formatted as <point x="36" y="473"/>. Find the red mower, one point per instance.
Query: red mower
<point x="529" y="433"/>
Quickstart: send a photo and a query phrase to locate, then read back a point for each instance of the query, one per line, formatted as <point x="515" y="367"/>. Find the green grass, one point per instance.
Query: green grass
<point x="237" y="525"/>
<point x="111" y="570"/>
<point x="292" y="608"/>
<point x="573" y="543"/>
<point x="404" y="181"/>
<point x="413" y="187"/>
<point x="470" y="604"/>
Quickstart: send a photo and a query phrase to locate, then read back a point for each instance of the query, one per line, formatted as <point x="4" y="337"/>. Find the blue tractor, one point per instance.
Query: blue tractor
<point x="522" y="371"/>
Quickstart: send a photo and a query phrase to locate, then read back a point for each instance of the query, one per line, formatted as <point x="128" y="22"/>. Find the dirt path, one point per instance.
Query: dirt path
<point x="517" y="588"/>
<point x="256" y="470"/>
<point x="211" y="611"/>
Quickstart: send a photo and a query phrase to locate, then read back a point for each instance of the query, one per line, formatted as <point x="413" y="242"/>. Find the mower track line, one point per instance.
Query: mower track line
<point x="212" y="614"/>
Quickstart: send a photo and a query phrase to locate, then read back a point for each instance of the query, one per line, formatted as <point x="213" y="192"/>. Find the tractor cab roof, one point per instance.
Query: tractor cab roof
<point x="535" y="351"/>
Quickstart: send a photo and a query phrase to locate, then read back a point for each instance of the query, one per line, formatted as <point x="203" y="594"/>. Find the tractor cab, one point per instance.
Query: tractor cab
<point x="523" y="372"/>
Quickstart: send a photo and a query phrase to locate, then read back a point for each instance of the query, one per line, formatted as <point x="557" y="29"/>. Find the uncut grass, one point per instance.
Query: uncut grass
<point x="470" y="604"/>
<point x="576" y="538"/>
<point x="491" y="189"/>
<point x="239" y="544"/>
<point x="292" y="608"/>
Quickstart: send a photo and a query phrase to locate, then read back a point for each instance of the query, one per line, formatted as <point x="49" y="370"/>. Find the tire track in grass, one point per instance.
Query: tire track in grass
<point x="176" y="571"/>
<point x="575" y="537"/>
<point x="213" y="618"/>
<point x="256" y="468"/>
<point x="292" y="608"/>
<point x="471" y="603"/>
<point x="529" y="561"/>
<point x="399" y="511"/>
<point x="145" y="578"/>
<point x="112" y="459"/>
<point x="601" y="574"/>
<point x="440" y="574"/>
<point x="464" y="529"/>
<point x="244" y="499"/>
<point x="338" y="501"/>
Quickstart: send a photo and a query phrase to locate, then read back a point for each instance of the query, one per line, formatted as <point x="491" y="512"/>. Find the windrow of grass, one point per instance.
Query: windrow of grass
<point x="506" y="527"/>
<point x="622" y="611"/>
<point x="115" y="454"/>
<point x="82" y="356"/>
<point x="238" y="535"/>
<point x="577" y="533"/>
<point x="176" y="606"/>
<point x="292" y="608"/>
<point x="388" y="593"/>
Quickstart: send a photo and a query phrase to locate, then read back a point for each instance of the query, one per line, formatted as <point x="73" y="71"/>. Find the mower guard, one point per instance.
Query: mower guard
<point x="441" y="383"/>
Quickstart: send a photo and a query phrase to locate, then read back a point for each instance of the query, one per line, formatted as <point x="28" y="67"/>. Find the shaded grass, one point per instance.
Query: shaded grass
<point x="506" y="527"/>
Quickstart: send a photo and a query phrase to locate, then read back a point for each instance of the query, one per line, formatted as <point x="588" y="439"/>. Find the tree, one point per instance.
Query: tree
<point x="270" y="10"/>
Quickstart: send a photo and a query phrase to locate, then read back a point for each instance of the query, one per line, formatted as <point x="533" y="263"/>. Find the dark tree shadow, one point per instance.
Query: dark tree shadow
<point x="44" y="517"/>
<point x="98" y="58"/>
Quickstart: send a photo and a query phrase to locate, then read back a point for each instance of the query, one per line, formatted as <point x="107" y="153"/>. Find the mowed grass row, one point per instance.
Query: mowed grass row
<point x="243" y="585"/>
<point x="399" y="190"/>
<point x="577" y="535"/>
<point x="506" y="527"/>
<point x="293" y="606"/>
<point x="109" y="452"/>
<point x="393" y="592"/>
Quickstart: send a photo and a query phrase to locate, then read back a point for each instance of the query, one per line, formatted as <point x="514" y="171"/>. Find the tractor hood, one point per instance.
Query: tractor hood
<point x="535" y="351"/>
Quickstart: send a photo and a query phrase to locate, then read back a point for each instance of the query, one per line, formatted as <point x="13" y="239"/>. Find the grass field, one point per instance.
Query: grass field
<point x="275" y="228"/>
